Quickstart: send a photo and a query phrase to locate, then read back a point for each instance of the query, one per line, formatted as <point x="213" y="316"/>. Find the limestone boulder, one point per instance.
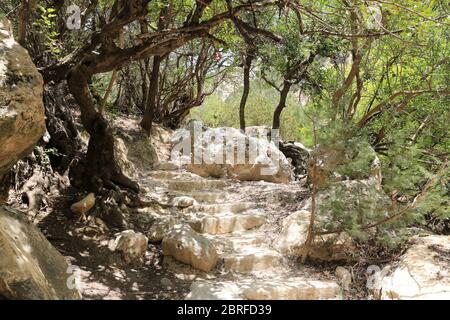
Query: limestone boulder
<point x="298" y="154"/>
<point x="22" y="121"/>
<point x="227" y="152"/>
<point x="423" y="272"/>
<point x="258" y="131"/>
<point x="344" y="276"/>
<point x="161" y="227"/>
<point x="132" y="246"/>
<point x="293" y="233"/>
<point x="292" y="237"/>
<point x="121" y="156"/>
<point x="189" y="247"/>
<point x="30" y="267"/>
<point x="134" y="151"/>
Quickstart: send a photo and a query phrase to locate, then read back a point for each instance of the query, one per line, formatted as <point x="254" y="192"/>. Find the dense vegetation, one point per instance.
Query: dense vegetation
<point x="365" y="79"/>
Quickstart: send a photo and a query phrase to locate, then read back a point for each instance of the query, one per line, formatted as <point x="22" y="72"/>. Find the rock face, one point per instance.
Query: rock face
<point x="189" y="247"/>
<point x="134" y="151"/>
<point x="423" y="272"/>
<point x="298" y="154"/>
<point x="226" y="152"/>
<point x="132" y="245"/>
<point x="30" y="267"/>
<point x="21" y="108"/>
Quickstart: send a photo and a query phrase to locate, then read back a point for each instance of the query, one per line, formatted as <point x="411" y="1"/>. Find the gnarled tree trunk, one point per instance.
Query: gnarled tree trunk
<point x="99" y="168"/>
<point x="281" y="105"/>
<point x="152" y="96"/>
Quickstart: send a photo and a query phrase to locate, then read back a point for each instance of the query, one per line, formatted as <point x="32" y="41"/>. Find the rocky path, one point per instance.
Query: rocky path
<point x="240" y="220"/>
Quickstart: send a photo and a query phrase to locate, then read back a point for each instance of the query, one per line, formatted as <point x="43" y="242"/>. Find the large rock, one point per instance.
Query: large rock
<point x="227" y="152"/>
<point x="132" y="245"/>
<point x="183" y="202"/>
<point x="21" y="108"/>
<point x="161" y="226"/>
<point x="121" y="155"/>
<point x="343" y="203"/>
<point x="134" y="151"/>
<point x="423" y="272"/>
<point x="293" y="235"/>
<point x="298" y="154"/>
<point x="189" y="247"/>
<point x="30" y="267"/>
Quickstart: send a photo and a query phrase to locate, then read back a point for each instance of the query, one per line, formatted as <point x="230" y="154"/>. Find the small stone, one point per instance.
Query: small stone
<point x="132" y="245"/>
<point x="183" y="202"/>
<point x="160" y="228"/>
<point x="84" y="205"/>
<point x="344" y="276"/>
<point x="167" y="283"/>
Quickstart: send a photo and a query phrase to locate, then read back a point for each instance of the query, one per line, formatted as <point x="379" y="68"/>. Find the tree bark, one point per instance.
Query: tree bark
<point x="24" y="13"/>
<point x="281" y="105"/>
<point x="100" y="168"/>
<point x="152" y="96"/>
<point x="247" y="65"/>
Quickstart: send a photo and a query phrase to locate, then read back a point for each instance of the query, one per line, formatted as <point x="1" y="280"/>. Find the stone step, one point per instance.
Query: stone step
<point x="169" y="166"/>
<point x="278" y="287"/>
<point x="236" y="207"/>
<point x="196" y="185"/>
<point x="292" y="288"/>
<point x="206" y="196"/>
<point x="236" y="240"/>
<point x="252" y="258"/>
<point x="227" y="223"/>
<point x="171" y="175"/>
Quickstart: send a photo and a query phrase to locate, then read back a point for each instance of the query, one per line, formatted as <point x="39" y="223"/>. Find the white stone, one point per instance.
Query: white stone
<point x="224" y="152"/>
<point x="227" y="223"/>
<point x="189" y="247"/>
<point x="251" y="259"/>
<point x="423" y="272"/>
<point x="183" y="202"/>
<point x="132" y="245"/>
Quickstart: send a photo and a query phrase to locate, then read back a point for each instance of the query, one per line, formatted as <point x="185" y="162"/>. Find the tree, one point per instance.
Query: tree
<point x="99" y="168"/>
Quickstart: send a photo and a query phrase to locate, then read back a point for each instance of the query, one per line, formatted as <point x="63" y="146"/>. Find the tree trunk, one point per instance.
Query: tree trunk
<point x="99" y="169"/>
<point x="152" y="96"/>
<point x="23" y="21"/>
<point x="281" y="105"/>
<point x="247" y="65"/>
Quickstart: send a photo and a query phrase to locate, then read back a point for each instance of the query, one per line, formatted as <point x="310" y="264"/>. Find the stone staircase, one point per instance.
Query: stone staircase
<point x="248" y="268"/>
